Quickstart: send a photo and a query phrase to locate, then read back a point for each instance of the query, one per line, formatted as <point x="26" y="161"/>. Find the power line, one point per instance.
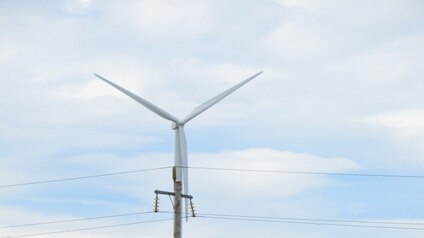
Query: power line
<point x="308" y="219"/>
<point x="216" y="169"/>
<point x="309" y="223"/>
<point x="83" y="177"/>
<point x="219" y="215"/>
<point x="269" y="219"/>
<point x="308" y="172"/>
<point x="76" y="219"/>
<point x="89" y="228"/>
<point x="314" y="219"/>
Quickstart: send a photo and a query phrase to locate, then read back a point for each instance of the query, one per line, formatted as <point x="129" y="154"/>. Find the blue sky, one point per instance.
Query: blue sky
<point x="341" y="92"/>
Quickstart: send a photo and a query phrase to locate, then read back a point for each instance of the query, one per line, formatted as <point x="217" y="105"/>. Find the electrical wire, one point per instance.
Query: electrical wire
<point x="247" y="218"/>
<point x="216" y="169"/>
<point x="76" y="219"/>
<point x="307" y="172"/>
<point x="83" y="177"/>
<point x="306" y="219"/>
<point x="310" y="223"/>
<point x="314" y="219"/>
<point x="219" y="215"/>
<point x="89" y="228"/>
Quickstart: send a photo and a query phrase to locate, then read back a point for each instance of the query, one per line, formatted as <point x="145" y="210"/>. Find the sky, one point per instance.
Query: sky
<point x="341" y="92"/>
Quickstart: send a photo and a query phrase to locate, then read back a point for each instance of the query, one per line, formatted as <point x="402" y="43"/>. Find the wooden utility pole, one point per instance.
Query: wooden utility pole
<point x="177" y="205"/>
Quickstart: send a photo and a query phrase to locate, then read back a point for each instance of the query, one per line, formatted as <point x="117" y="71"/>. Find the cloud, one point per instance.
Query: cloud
<point x="254" y="158"/>
<point x="405" y="128"/>
<point x="206" y="186"/>
<point x="202" y="182"/>
<point x="162" y="20"/>
<point x="78" y="6"/>
<point x="267" y="159"/>
<point x="407" y="123"/>
<point x="398" y="59"/>
<point x="300" y="39"/>
<point x="364" y="14"/>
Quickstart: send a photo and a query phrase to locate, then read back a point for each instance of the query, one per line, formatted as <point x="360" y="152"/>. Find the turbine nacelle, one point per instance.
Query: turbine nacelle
<point x="177" y="125"/>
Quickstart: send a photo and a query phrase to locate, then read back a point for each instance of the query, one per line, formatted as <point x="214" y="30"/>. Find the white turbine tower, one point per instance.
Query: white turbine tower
<point x="180" y="158"/>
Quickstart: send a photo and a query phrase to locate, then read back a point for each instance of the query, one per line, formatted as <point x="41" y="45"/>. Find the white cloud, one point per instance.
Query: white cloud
<point x="407" y="123"/>
<point x="207" y="186"/>
<point x="267" y="159"/>
<point x="165" y="20"/>
<point x="300" y="39"/>
<point x="399" y="59"/>
<point x="9" y="49"/>
<point x="78" y="6"/>
<point x="245" y="183"/>
<point x="363" y="13"/>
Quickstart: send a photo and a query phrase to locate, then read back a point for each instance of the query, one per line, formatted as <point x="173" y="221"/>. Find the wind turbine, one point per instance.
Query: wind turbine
<point x="180" y="157"/>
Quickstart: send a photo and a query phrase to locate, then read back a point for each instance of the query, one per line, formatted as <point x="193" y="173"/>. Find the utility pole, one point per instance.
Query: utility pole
<point x="176" y="204"/>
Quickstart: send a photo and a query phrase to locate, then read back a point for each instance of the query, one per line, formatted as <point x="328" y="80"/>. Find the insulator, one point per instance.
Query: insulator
<point x="193" y="211"/>
<point x="156" y="204"/>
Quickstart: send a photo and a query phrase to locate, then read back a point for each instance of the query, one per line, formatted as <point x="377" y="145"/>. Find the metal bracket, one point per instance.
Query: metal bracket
<point x="156" y="203"/>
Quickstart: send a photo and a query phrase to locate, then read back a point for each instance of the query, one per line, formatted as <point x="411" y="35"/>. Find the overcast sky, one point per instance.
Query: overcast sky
<point x="342" y="92"/>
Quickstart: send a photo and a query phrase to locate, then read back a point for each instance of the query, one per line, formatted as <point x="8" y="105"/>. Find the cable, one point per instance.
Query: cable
<point x="269" y="219"/>
<point x="306" y="219"/>
<point x="315" y="219"/>
<point x="311" y="223"/>
<point x="75" y="220"/>
<point x="307" y="172"/>
<point x="218" y="215"/>
<point x="82" y="177"/>
<point x="217" y="169"/>
<point x="89" y="228"/>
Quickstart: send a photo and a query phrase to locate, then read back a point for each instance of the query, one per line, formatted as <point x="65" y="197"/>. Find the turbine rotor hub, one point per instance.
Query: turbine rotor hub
<point x="174" y="125"/>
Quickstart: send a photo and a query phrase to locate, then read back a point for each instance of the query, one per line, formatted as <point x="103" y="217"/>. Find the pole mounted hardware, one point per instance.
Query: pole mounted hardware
<point x="156" y="201"/>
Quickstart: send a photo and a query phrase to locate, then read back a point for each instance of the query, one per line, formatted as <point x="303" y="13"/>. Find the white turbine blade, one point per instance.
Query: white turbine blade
<point x="217" y="98"/>
<point x="142" y="101"/>
<point x="183" y="151"/>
